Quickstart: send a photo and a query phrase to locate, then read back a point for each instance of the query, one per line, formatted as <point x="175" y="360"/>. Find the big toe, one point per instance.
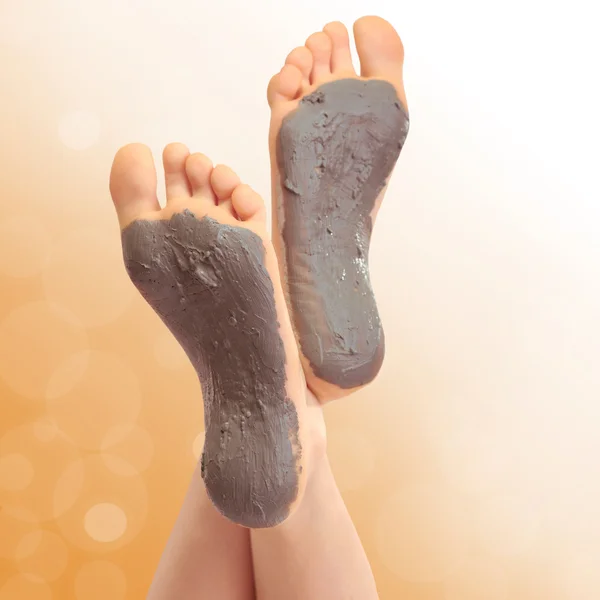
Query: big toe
<point x="133" y="183"/>
<point x="380" y="50"/>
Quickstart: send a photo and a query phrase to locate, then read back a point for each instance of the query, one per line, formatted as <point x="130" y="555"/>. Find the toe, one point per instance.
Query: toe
<point x="176" y="179"/>
<point x="224" y="180"/>
<point x="199" y="168"/>
<point x="301" y="58"/>
<point x="381" y="51"/>
<point x="379" y="47"/>
<point x="320" y="46"/>
<point x="133" y="183"/>
<point x="341" y="59"/>
<point x="247" y="204"/>
<point x="285" y="86"/>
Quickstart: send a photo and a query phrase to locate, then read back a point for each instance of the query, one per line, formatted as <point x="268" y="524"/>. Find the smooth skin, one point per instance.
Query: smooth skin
<point x="206" y="556"/>
<point x="316" y="553"/>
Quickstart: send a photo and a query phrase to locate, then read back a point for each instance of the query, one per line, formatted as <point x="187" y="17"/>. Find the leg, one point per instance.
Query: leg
<point x="316" y="553"/>
<point x="206" y="556"/>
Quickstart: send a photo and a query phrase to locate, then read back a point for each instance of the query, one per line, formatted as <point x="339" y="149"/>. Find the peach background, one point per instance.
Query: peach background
<point x="471" y="466"/>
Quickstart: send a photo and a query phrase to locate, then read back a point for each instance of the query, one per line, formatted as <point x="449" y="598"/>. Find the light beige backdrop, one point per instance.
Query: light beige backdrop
<point x="471" y="467"/>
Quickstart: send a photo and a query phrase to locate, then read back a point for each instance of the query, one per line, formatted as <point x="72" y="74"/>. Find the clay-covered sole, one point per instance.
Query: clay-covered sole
<point x="335" y="153"/>
<point x="208" y="283"/>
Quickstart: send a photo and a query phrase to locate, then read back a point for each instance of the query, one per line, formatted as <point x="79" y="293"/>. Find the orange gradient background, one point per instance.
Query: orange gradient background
<point x="471" y="467"/>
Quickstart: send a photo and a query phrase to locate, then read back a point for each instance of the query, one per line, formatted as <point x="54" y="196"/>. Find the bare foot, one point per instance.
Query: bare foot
<point x="205" y="265"/>
<point x="334" y="140"/>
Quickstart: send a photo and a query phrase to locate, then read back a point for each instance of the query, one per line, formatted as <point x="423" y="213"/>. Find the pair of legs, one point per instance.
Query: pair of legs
<point x="316" y="553"/>
<point x="263" y="517"/>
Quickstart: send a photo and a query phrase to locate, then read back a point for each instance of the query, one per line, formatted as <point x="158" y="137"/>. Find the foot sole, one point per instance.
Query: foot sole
<point x="209" y="284"/>
<point x="335" y="153"/>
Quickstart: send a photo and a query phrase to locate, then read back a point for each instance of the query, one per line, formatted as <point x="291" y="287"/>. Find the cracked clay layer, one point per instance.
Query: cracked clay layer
<point x="335" y="153"/>
<point x="208" y="283"/>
